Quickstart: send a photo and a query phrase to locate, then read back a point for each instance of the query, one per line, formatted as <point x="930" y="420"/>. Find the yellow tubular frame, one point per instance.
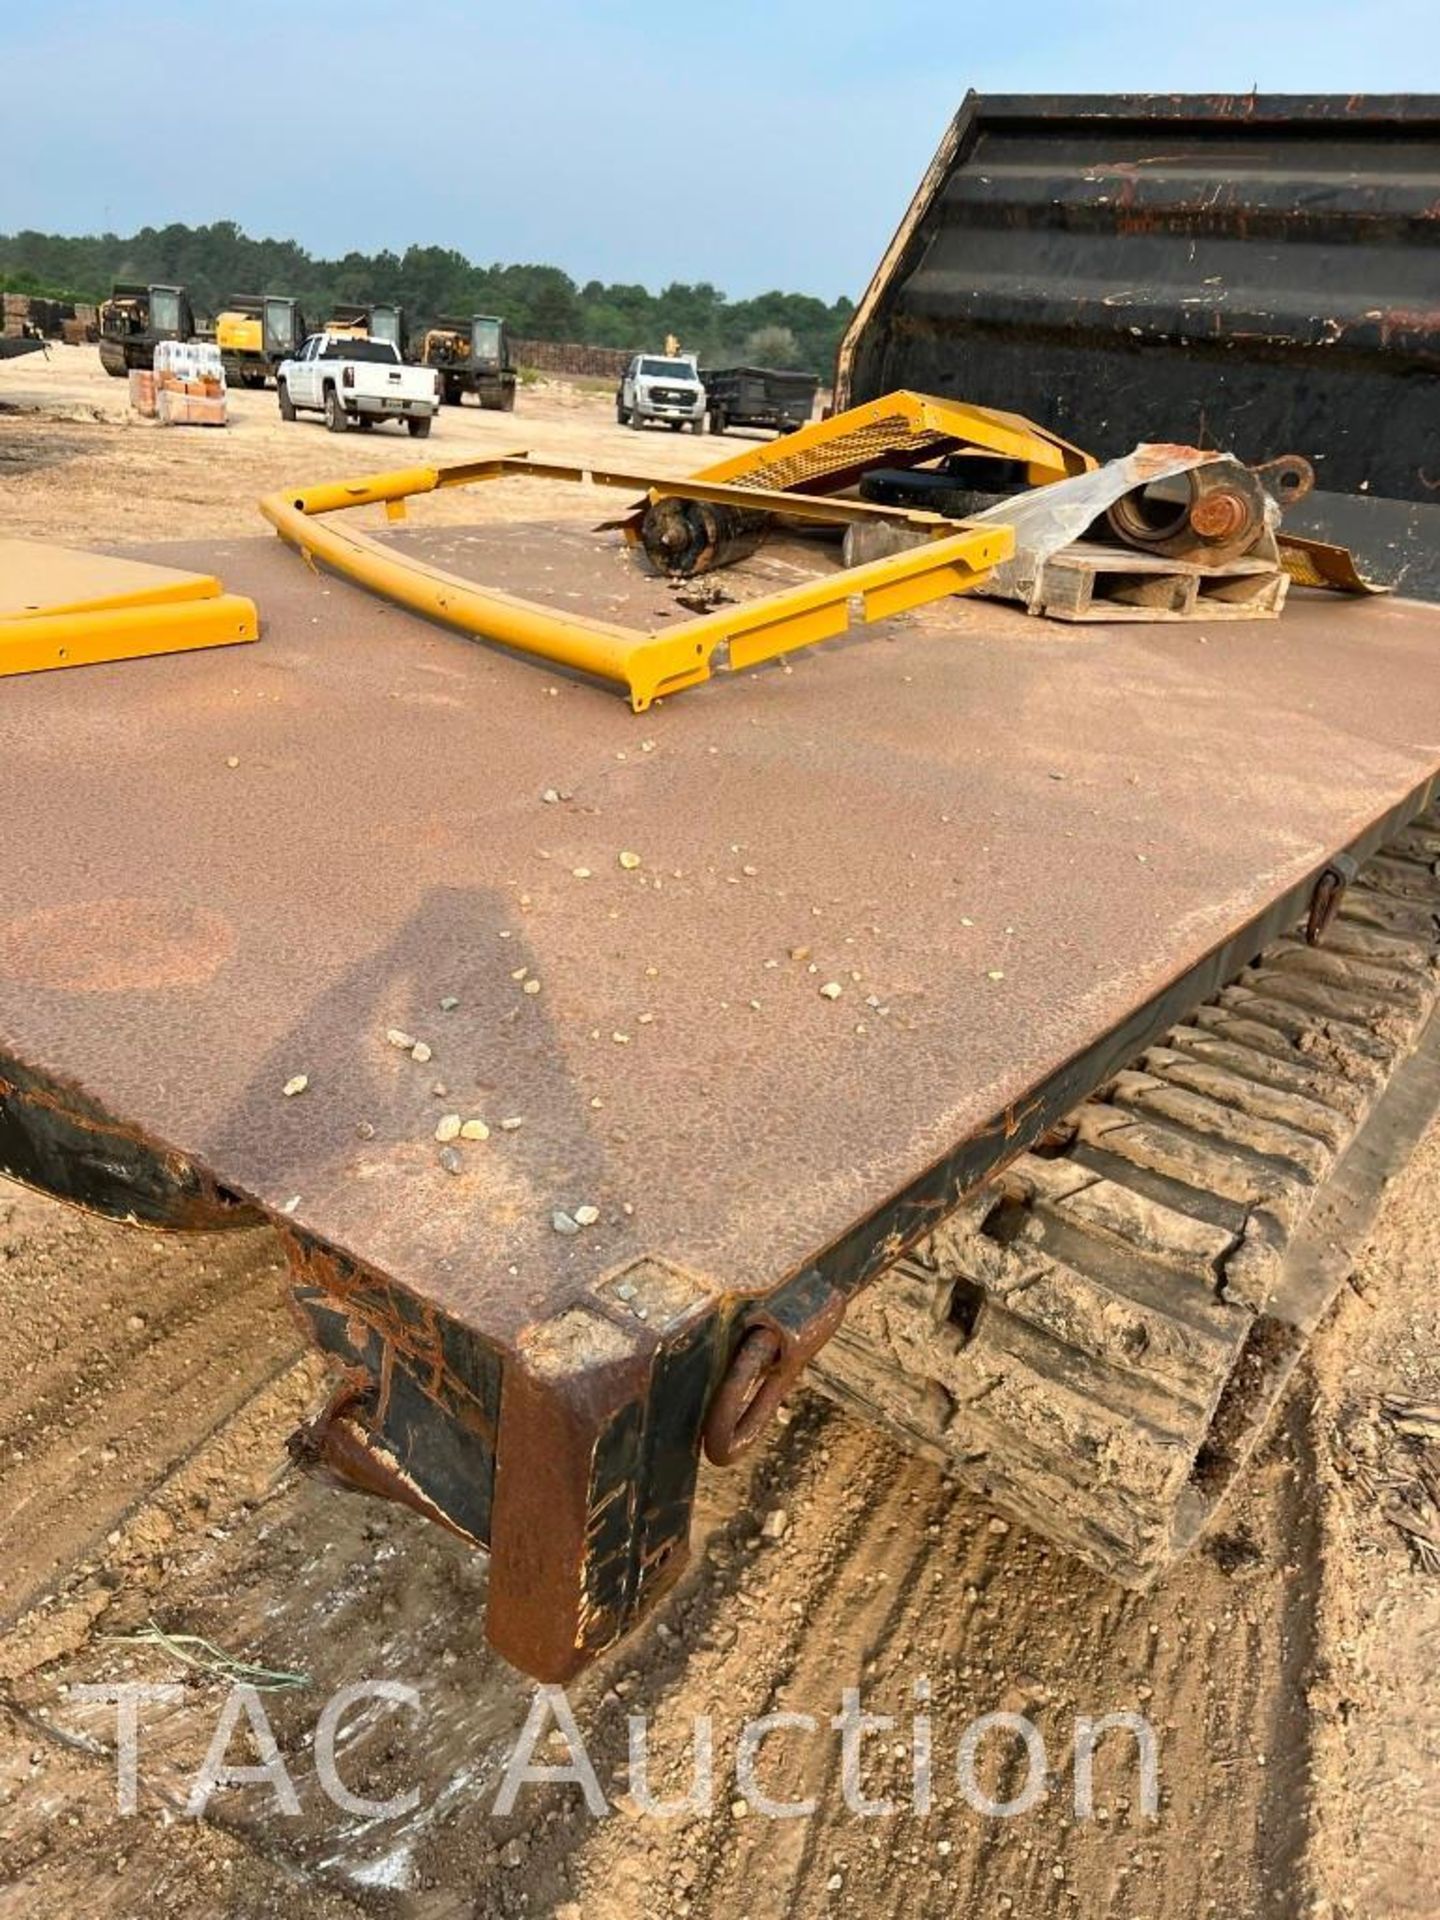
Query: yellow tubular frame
<point x="648" y="665"/>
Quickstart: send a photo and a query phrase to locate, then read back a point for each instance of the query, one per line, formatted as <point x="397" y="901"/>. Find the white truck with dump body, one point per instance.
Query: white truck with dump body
<point x="357" y="380"/>
<point x="665" y="387"/>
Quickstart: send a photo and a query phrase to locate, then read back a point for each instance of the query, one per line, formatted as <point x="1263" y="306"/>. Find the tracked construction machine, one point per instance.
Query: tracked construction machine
<point x="472" y="356"/>
<point x="255" y="332"/>
<point x="134" y="318"/>
<point x="1003" y="1023"/>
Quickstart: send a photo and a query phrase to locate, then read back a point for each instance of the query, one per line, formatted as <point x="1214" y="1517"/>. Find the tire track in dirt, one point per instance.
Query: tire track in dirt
<point x="125" y="1353"/>
<point x="888" y="1575"/>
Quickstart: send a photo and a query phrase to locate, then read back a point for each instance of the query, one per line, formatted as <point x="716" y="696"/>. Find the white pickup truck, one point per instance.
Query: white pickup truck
<point x="661" y="387"/>
<point x="359" y="380"/>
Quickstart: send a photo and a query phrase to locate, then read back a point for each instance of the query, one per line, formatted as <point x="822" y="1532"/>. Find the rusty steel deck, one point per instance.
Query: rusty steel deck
<point x="1018" y="851"/>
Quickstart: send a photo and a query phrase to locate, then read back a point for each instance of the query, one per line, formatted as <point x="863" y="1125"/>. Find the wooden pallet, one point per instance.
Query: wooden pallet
<point x="1086" y="581"/>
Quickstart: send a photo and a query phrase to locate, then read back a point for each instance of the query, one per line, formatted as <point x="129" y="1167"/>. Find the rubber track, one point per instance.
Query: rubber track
<point x="1094" y="1342"/>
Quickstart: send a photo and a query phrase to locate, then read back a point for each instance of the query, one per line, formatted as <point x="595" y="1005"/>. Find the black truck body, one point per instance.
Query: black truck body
<point x="758" y="397"/>
<point x="1256" y="273"/>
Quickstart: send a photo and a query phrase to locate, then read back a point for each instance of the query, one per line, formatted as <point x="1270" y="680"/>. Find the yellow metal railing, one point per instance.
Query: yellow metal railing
<point x="955" y="558"/>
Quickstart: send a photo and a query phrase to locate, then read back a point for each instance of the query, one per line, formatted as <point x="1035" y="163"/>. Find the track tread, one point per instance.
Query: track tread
<point x="1095" y="1342"/>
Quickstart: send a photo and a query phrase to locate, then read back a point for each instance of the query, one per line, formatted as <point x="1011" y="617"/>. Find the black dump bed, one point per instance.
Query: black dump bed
<point x="1255" y="273"/>
<point x="764" y="396"/>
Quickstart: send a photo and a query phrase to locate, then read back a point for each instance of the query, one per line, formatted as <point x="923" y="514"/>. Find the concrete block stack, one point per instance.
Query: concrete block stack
<point x="189" y="384"/>
<point x="142" y="392"/>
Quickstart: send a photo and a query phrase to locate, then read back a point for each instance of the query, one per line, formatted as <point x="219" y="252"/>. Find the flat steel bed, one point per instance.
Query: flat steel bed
<point x="1018" y="850"/>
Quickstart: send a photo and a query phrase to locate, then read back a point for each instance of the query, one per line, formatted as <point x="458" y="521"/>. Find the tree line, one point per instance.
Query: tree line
<point x="219" y="261"/>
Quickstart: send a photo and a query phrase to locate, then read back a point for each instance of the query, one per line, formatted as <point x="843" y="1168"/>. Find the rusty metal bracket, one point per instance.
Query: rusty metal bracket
<point x="341" y="1447"/>
<point x="1329" y="892"/>
<point x="770" y="1356"/>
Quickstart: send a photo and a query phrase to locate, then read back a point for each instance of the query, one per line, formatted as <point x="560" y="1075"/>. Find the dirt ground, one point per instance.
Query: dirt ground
<point x="1290" y="1669"/>
<point x="86" y="468"/>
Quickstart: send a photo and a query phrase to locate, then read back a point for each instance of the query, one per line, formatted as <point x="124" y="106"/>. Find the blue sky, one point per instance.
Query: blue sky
<point x="751" y="144"/>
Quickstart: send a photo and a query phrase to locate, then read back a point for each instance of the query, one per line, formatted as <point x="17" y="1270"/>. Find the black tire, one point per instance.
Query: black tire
<point x="697" y="425"/>
<point x="677" y="426"/>
<point x="287" y="405"/>
<point x="419" y="425"/>
<point x="335" y="416"/>
<point x="636" y="422"/>
<point x="622" y="418"/>
<point x="718" y="422"/>
<point x="507" y="399"/>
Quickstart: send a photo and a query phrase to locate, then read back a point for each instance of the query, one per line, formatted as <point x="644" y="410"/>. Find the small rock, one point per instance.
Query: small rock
<point x="296" y="1084"/>
<point x="999" y="1527"/>
<point x="550" y="796"/>
<point x="474" y="1130"/>
<point x="398" y="1038"/>
<point x="775" y="1524"/>
<point x="449" y="1003"/>
<point x="512" y="1125"/>
<point x="995" y="973"/>
<point x="532" y="986"/>
<point x="420" y="1052"/>
<point x="136" y="1323"/>
<point x="450" y="1160"/>
<point x="448" y="1128"/>
<point x="233" y="761"/>
<point x="831" y="990"/>
<point x="364" y="1130"/>
<point x="563" y="1223"/>
<point x="581" y="873"/>
<point x="739" y="1808"/>
<point x="586" y="1216"/>
<point x="629" y="861"/>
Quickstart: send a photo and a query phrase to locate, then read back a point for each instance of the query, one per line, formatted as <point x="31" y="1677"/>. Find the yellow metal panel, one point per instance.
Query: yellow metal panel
<point x="42" y="641"/>
<point x="36" y="577"/>
<point x="787" y="631"/>
<point x="239" y="333"/>
<point x="904" y="427"/>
